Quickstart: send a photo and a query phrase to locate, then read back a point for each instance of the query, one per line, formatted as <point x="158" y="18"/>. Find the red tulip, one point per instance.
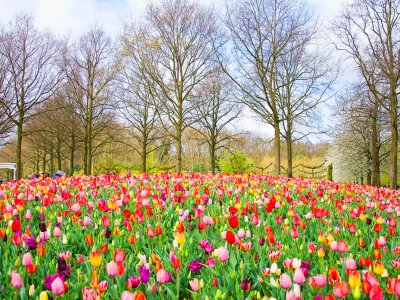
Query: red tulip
<point x="233" y="221"/>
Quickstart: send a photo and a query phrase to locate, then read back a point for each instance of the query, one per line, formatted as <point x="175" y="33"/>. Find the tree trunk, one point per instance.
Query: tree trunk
<point x="144" y="155"/>
<point x="277" y="144"/>
<point x="44" y="162"/>
<point x="369" y="177"/>
<point x="179" y="150"/>
<point x="52" y="159"/>
<point x="394" y="136"/>
<point x="374" y="146"/>
<point x="289" y="171"/>
<point x="18" y="151"/>
<point x="59" y="160"/>
<point x="37" y="162"/>
<point x="72" y="155"/>
<point x="85" y="154"/>
<point x="212" y="156"/>
<point x="90" y="139"/>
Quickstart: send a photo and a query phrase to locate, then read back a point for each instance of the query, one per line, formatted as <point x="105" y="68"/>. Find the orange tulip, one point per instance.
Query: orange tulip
<point x="89" y="240"/>
<point x="333" y="275"/>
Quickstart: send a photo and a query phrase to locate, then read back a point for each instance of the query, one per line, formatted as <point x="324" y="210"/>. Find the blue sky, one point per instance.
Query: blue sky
<point x="75" y="16"/>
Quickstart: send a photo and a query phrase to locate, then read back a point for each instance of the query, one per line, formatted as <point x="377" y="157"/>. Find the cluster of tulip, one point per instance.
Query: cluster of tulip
<point x="198" y="236"/>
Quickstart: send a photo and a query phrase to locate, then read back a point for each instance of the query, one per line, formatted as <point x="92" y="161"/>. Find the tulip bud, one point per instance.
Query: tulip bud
<point x="31" y="291"/>
<point x="43" y="296"/>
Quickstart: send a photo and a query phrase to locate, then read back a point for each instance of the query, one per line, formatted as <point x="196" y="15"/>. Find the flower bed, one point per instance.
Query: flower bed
<point x="198" y="236"/>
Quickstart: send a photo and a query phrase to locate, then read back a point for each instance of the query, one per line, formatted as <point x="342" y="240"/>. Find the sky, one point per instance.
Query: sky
<point x="76" y="16"/>
<point x="73" y="17"/>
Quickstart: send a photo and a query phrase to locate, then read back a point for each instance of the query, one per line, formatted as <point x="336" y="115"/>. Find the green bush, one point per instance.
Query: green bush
<point x="235" y="163"/>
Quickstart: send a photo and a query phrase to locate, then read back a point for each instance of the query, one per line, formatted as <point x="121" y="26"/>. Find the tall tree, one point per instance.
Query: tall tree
<point x="369" y="33"/>
<point x="361" y="124"/>
<point x="137" y="106"/>
<point x="261" y="33"/>
<point x="185" y="41"/>
<point x="91" y="66"/>
<point x="29" y="74"/>
<point x="304" y="80"/>
<point x="217" y="111"/>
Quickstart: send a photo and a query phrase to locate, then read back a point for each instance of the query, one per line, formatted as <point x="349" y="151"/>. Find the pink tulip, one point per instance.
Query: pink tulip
<point x="318" y="281"/>
<point x="223" y="254"/>
<point x="299" y="276"/>
<point x="210" y="262"/>
<point x="57" y="287"/>
<point x="341" y="290"/>
<point x="27" y="260"/>
<point x="112" y="269"/>
<point x="290" y="295"/>
<point x="208" y="220"/>
<point x="194" y="284"/>
<point x="382" y="241"/>
<point x="351" y="264"/>
<point x="86" y="221"/>
<point x="163" y="276"/>
<point x="75" y="207"/>
<point x="16" y="280"/>
<point x="334" y="246"/>
<point x="342" y="246"/>
<point x="127" y="296"/>
<point x="57" y="232"/>
<point x="285" y="281"/>
<point x="241" y="233"/>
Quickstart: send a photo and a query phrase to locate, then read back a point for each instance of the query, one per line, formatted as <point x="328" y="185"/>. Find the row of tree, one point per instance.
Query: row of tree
<point x="368" y="33"/>
<point x="183" y="67"/>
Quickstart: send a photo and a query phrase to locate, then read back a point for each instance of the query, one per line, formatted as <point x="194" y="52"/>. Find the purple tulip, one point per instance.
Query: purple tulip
<point x="144" y="274"/>
<point x="195" y="266"/>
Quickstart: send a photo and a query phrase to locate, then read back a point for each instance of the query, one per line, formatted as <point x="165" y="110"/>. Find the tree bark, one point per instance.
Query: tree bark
<point x="179" y="150"/>
<point x="277" y="146"/>
<point x="394" y="143"/>
<point x="212" y="156"/>
<point x="44" y="162"/>
<point x="374" y="146"/>
<point x="72" y="155"/>
<point x="144" y="155"/>
<point x="289" y="171"/>
<point x="59" y="160"/>
<point x="19" y="150"/>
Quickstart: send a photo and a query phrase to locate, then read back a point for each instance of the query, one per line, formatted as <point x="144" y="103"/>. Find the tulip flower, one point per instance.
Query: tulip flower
<point x="112" y="269"/>
<point x="285" y="281"/>
<point x="299" y="276"/>
<point x="223" y="254"/>
<point x="194" y="284"/>
<point x="144" y="274"/>
<point x="163" y="276"/>
<point x="27" y="260"/>
<point x="95" y="258"/>
<point x="341" y="290"/>
<point x="57" y="286"/>
<point x="16" y="279"/>
<point x="119" y="256"/>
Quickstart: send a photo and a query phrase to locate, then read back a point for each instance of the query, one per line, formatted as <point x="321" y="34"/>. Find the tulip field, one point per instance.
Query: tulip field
<point x="198" y="236"/>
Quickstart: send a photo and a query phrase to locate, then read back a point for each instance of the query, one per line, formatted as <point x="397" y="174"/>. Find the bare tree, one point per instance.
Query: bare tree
<point x="5" y="128"/>
<point x="29" y="76"/>
<point x="185" y="36"/>
<point x="304" y="80"/>
<point x="360" y="119"/>
<point x="261" y="33"/>
<point x="369" y="31"/>
<point x="91" y="67"/>
<point x="137" y="106"/>
<point x="217" y="111"/>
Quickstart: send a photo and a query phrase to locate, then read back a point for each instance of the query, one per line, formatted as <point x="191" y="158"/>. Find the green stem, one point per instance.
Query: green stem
<point x="177" y="285"/>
